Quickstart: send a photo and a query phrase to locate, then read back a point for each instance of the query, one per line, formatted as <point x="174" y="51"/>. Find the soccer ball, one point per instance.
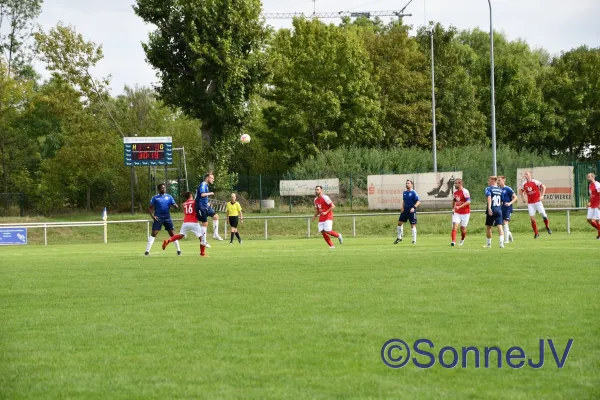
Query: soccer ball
<point x="245" y="138"/>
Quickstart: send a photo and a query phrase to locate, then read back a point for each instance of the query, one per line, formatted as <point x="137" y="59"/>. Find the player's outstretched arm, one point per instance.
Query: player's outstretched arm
<point x="543" y="190"/>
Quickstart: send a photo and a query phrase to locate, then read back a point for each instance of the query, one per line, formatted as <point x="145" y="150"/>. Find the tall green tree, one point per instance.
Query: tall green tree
<point x="17" y="18"/>
<point x="322" y="94"/>
<point x="572" y="90"/>
<point x="400" y="74"/>
<point x="210" y="60"/>
<point x="459" y="120"/>
<point x="519" y="98"/>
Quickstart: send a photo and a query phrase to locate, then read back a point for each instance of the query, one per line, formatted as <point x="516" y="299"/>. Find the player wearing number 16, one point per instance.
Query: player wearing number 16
<point x="493" y="217"/>
<point x="190" y="224"/>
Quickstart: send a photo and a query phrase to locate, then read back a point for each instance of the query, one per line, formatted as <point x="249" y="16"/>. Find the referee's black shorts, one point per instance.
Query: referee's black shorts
<point x="233" y="221"/>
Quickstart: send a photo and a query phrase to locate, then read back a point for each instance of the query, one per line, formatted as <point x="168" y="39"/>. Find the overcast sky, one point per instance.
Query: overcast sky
<point x="551" y="24"/>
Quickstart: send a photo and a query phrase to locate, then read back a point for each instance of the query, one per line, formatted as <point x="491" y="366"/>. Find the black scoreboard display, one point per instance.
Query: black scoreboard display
<point x="144" y="151"/>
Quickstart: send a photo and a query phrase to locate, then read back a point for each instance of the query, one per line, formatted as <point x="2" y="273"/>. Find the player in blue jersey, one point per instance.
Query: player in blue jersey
<point x="494" y="210"/>
<point x="509" y="197"/>
<point x="161" y="203"/>
<point x="204" y="210"/>
<point x="408" y="212"/>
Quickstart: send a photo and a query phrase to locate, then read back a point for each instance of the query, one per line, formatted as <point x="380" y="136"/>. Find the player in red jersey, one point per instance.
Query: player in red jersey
<point x="324" y="210"/>
<point x="531" y="189"/>
<point x="593" y="215"/>
<point x="190" y="224"/>
<point x="461" y="211"/>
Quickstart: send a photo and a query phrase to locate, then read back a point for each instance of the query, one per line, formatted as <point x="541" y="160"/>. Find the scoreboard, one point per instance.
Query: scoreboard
<point x="145" y="151"/>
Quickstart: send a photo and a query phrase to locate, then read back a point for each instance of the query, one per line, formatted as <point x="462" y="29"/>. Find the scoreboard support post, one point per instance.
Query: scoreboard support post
<point x="131" y="184"/>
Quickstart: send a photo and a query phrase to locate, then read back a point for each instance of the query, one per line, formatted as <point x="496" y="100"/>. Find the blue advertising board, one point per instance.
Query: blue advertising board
<point x="13" y="236"/>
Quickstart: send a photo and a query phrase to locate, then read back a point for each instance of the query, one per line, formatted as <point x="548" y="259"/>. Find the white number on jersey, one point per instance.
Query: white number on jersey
<point x="189" y="209"/>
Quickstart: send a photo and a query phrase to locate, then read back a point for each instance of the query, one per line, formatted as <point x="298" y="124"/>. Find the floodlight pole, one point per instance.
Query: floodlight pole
<point x="493" y="96"/>
<point x="433" y="102"/>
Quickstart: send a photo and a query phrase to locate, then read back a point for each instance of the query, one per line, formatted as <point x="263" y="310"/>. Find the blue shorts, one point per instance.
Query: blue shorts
<point x="162" y="221"/>
<point x="506" y="212"/>
<point x="204" y="213"/>
<point x="494" y="219"/>
<point x="408" y="216"/>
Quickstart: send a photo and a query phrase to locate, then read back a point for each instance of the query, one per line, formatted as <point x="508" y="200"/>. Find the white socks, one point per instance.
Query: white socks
<point x="399" y="232"/>
<point x="215" y="227"/>
<point x="177" y="245"/>
<point x="414" y="233"/>
<point x="489" y="241"/>
<point x="203" y="230"/>
<point x="506" y="232"/>
<point x="150" y="242"/>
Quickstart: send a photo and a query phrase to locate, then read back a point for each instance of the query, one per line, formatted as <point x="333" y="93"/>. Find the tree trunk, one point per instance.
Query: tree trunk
<point x="88" y="205"/>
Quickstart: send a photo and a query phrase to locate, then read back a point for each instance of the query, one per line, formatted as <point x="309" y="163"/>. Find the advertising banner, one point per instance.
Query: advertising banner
<point x="307" y="187"/>
<point x="13" y="236"/>
<point x="434" y="189"/>
<point x="558" y="181"/>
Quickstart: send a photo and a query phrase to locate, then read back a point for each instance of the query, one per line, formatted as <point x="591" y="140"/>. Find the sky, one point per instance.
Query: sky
<point x="555" y="25"/>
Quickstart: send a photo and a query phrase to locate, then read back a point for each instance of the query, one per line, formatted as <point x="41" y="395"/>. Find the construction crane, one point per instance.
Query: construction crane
<point x="340" y="14"/>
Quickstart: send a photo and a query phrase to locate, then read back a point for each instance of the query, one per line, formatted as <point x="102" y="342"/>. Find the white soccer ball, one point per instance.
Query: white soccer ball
<point x="245" y="138"/>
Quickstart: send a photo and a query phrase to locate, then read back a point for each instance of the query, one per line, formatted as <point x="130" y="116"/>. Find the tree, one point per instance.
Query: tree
<point x="209" y="57"/>
<point x="459" y="120"/>
<point x="322" y="96"/>
<point x="16" y="19"/>
<point x="572" y="90"/>
<point x="519" y="98"/>
<point x="400" y="72"/>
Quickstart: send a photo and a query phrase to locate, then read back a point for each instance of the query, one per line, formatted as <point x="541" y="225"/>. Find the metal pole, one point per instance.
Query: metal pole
<point x="433" y="103"/>
<point x="353" y="226"/>
<point x="260" y="193"/>
<point x="568" y="221"/>
<point x="132" y="195"/>
<point x="147" y="229"/>
<point x="45" y="235"/>
<point x="308" y="228"/>
<point x="493" y="95"/>
<point x="266" y="235"/>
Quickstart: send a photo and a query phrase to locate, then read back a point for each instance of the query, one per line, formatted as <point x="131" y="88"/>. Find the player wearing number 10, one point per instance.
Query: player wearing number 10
<point x="494" y="210"/>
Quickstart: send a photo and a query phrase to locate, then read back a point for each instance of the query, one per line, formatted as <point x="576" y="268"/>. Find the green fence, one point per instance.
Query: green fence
<point x="581" y="170"/>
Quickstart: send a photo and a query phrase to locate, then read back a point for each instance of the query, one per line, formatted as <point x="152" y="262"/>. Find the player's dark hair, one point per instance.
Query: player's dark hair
<point x="411" y="182"/>
<point x="206" y="176"/>
<point x="159" y="185"/>
<point x="188" y="195"/>
<point x="319" y="186"/>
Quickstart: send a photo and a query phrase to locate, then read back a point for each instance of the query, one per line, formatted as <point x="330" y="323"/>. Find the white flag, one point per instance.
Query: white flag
<point x="104" y="215"/>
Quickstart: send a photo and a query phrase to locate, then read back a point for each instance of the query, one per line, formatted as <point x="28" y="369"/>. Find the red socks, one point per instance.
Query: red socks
<point x="547" y="223"/>
<point x="534" y="226"/>
<point x="463" y="234"/>
<point x="453" y="235"/>
<point x="175" y="237"/>
<point x="327" y="239"/>
<point x="202" y="249"/>
<point x="595" y="224"/>
<point x="334" y="233"/>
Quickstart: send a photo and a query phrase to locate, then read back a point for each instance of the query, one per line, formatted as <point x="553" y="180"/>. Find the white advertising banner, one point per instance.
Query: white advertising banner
<point x="307" y="187"/>
<point x="558" y="181"/>
<point x="435" y="189"/>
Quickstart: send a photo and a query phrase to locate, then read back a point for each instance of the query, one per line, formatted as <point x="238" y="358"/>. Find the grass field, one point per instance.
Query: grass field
<point x="291" y="319"/>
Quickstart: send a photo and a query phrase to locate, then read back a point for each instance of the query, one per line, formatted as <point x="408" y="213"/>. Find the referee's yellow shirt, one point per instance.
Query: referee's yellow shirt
<point x="233" y="210"/>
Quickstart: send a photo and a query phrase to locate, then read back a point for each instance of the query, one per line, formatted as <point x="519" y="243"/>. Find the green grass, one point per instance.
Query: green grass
<point x="291" y="319"/>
